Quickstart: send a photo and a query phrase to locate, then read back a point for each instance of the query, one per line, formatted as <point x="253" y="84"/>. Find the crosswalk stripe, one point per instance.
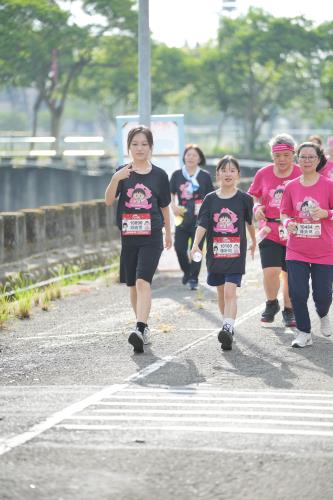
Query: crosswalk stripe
<point x="225" y="429"/>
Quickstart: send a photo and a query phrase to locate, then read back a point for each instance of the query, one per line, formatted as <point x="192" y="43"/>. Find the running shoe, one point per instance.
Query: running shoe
<point x="185" y="279"/>
<point x="325" y="326"/>
<point x="303" y="339"/>
<point x="136" y="340"/>
<point x="193" y="284"/>
<point x="272" y="307"/>
<point x="288" y="317"/>
<point x="146" y="336"/>
<point x="225" y="337"/>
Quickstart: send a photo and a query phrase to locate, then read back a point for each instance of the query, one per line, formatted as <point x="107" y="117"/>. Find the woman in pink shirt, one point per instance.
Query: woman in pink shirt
<point x="307" y="214"/>
<point x="267" y="188"/>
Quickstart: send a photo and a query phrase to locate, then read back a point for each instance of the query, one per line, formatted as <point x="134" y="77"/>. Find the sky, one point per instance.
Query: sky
<point x="176" y="22"/>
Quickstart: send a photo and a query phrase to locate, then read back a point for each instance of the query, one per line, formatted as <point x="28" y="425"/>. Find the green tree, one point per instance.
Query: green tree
<point x="261" y="63"/>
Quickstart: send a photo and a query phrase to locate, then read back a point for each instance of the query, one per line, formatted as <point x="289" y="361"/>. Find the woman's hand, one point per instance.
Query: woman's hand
<point x="124" y="172"/>
<point x="252" y="248"/>
<point x="178" y="211"/>
<point x="259" y="213"/>
<point x="167" y="240"/>
<point x="318" y="213"/>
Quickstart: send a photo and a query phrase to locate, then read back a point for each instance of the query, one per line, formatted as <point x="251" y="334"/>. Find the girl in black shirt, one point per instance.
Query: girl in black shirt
<point x="142" y="211"/>
<point x="223" y="218"/>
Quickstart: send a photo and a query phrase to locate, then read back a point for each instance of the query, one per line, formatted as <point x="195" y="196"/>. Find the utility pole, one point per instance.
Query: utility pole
<point x="144" y="64"/>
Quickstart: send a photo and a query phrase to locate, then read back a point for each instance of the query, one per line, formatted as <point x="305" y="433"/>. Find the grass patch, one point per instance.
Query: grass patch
<point x="23" y="297"/>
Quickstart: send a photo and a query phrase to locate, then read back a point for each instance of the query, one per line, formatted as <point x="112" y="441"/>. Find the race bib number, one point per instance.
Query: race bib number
<point x="308" y="230"/>
<point x="226" y="247"/>
<point x="136" y="225"/>
<point x="197" y="206"/>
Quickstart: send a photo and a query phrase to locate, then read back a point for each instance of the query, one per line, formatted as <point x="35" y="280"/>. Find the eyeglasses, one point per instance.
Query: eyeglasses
<point x="310" y="158"/>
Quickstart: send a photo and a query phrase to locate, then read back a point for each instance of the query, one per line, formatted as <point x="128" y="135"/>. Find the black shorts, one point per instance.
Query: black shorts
<point x="272" y="254"/>
<point x="139" y="262"/>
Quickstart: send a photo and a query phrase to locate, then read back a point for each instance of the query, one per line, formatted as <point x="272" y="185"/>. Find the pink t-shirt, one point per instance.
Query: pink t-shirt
<point x="314" y="239"/>
<point x="327" y="171"/>
<point x="269" y="188"/>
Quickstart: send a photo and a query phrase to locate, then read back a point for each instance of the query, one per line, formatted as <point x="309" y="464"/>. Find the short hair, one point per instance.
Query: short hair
<point x="140" y="129"/>
<point x="226" y="160"/>
<point x="282" y="139"/>
<point x="198" y="150"/>
<point x="319" y="151"/>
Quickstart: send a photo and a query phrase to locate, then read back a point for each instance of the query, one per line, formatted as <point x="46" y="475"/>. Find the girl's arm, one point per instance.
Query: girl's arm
<point x="199" y="234"/>
<point x="252" y="233"/>
<point x="167" y="226"/>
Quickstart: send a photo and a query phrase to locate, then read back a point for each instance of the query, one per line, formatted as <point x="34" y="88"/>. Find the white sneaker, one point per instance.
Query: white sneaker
<point x="146" y="336"/>
<point x="325" y="326"/>
<point x="302" y="340"/>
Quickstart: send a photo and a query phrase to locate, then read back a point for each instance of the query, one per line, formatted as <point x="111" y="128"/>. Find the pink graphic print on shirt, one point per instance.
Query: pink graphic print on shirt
<point x="225" y="221"/>
<point x="275" y="196"/>
<point x="186" y="193"/>
<point x="138" y="196"/>
<point x="304" y="207"/>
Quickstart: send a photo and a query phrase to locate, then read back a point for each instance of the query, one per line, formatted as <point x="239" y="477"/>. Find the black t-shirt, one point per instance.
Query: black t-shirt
<point x="224" y="220"/>
<point x="141" y="198"/>
<point x="192" y="201"/>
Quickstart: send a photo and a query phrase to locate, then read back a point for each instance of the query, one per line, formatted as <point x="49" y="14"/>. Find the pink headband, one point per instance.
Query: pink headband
<point x="282" y="147"/>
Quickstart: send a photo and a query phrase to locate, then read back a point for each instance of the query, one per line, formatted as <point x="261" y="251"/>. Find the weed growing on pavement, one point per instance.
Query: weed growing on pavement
<point x="5" y="311"/>
<point x="165" y="328"/>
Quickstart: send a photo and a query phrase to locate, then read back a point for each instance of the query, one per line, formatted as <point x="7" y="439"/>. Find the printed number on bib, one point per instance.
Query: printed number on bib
<point x="226" y="247"/>
<point x="197" y="206"/>
<point x="136" y="225"/>
<point x="308" y="230"/>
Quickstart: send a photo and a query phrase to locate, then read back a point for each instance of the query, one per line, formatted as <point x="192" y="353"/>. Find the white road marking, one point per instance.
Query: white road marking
<point x="225" y="429"/>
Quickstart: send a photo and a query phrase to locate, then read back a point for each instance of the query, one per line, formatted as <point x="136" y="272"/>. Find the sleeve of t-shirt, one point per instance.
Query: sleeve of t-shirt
<point x="173" y="187"/>
<point x="248" y="208"/>
<point x="203" y="216"/>
<point x="164" y="197"/>
<point x="256" y="189"/>
<point x="286" y="205"/>
<point x="120" y="183"/>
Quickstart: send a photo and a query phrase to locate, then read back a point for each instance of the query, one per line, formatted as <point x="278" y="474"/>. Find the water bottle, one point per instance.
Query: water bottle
<point x="197" y="256"/>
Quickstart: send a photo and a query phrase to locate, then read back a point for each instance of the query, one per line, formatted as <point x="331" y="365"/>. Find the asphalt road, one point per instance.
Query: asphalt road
<point x="82" y="417"/>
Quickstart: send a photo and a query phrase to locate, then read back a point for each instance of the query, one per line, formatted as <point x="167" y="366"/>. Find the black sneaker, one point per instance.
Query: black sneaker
<point x="136" y="340"/>
<point x="272" y="307"/>
<point x="185" y="279"/>
<point x="288" y="317"/>
<point x="225" y="336"/>
<point x="193" y="284"/>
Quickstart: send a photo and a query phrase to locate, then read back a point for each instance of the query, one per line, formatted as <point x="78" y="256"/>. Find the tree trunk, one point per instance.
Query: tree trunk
<point x="56" y="115"/>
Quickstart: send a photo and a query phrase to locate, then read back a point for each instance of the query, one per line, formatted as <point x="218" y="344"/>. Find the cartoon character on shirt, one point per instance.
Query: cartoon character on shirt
<point x="276" y="196"/>
<point x="138" y="196"/>
<point x="186" y="191"/>
<point x="304" y="207"/>
<point x="225" y="221"/>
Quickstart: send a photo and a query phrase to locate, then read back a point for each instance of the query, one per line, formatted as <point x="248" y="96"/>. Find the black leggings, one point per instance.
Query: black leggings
<point x="182" y="239"/>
